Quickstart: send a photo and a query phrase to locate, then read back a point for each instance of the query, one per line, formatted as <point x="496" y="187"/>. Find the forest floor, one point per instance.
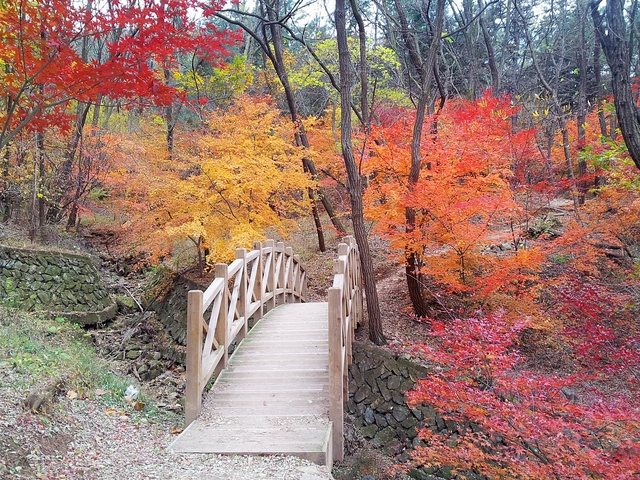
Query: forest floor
<point x="66" y="418"/>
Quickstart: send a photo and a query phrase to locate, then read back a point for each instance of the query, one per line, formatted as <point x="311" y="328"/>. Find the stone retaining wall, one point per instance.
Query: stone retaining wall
<point x="65" y="284"/>
<point x="167" y="296"/>
<point x="378" y="381"/>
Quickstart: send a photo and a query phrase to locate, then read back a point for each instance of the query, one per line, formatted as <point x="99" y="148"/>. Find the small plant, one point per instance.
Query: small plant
<point x="545" y="225"/>
<point x="11" y="294"/>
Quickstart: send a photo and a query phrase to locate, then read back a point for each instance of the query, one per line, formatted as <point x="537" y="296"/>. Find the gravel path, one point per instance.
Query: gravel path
<point x="84" y="439"/>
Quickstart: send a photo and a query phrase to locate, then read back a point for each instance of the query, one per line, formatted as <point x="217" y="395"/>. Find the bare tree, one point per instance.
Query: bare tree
<point x="355" y="181"/>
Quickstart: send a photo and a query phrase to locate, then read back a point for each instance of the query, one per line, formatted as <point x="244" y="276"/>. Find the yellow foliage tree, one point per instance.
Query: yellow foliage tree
<point x="223" y="188"/>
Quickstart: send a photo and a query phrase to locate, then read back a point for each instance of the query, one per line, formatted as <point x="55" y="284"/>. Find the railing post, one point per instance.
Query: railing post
<point x="336" y="389"/>
<point x="243" y="295"/>
<point x="271" y="275"/>
<point x="257" y="288"/>
<point x="222" y="327"/>
<point x="281" y="281"/>
<point x="297" y="278"/>
<point x="193" y="400"/>
<point x="303" y="285"/>
<point x="288" y="260"/>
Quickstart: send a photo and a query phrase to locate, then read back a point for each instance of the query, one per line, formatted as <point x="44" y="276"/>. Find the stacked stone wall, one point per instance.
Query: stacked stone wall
<point x="167" y="296"/>
<point x="61" y="283"/>
<point x="378" y="381"/>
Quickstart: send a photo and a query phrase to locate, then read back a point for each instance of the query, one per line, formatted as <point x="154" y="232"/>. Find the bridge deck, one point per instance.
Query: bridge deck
<point x="273" y="398"/>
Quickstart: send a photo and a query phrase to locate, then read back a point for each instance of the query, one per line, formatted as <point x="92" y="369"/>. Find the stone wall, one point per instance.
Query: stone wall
<point x="378" y="381"/>
<point x="64" y="284"/>
<point x="167" y="296"/>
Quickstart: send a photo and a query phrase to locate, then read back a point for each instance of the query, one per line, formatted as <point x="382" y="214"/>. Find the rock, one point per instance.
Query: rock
<point x="381" y="421"/>
<point x="369" y="416"/>
<point x="409" y="422"/>
<point x="360" y="394"/>
<point x="439" y="422"/>
<point x="153" y="373"/>
<point x="377" y="402"/>
<point x="370" y="430"/>
<point x="394" y="382"/>
<point x="420" y="474"/>
<point x="44" y="297"/>
<point x="384" y="391"/>
<point x="38" y="274"/>
<point x="53" y="270"/>
<point x="570" y="394"/>
<point x="451" y="425"/>
<point x="385" y="436"/>
<point x="126" y="304"/>
<point x="398" y="397"/>
<point x="400" y="413"/>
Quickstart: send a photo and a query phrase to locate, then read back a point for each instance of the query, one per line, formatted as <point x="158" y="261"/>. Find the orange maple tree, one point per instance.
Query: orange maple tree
<point x="465" y="202"/>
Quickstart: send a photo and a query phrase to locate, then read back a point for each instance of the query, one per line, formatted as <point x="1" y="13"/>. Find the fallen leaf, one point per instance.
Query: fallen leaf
<point x="71" y="395"/>
<point x="138" y="405"/>
<point x="175" y="430"/>
<point x="100" y="392"/>
<point x="110" y="411"/>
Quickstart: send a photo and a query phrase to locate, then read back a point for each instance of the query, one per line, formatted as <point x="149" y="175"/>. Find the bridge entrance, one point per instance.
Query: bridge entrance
<point x="283" y="389"/>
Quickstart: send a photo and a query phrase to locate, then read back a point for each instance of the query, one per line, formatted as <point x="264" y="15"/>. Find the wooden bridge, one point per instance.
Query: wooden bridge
<point x="282" y="390"/>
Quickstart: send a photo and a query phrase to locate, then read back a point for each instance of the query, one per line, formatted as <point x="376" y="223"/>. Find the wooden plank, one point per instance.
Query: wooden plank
<point x="273" y="397"/>
<point x="194" y="356"/>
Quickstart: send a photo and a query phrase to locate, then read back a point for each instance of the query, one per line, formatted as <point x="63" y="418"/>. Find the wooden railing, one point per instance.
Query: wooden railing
<point x="345" y="313"/>
<point x="251" y="285"/>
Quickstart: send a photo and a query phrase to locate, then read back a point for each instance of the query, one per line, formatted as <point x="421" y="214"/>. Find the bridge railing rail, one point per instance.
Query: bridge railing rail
<point x="345" y="313"/>
<point x="254" y="283"/>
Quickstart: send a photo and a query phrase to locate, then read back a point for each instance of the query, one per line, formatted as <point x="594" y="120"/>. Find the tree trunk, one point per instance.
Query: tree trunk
<point x="4" y="186"/>
<point x="171" y="125"/>
<point x="316" y="216"/>
<point x="62" y="183"/>
<point x="355" y="182"/>
<point x="413" y="272"/>
<point x="611" y="31"/>
<point x="364" y="74"/>
<point x="491" y="55"/>
<point x="582" y="100"/>
<point x="42" y="218"/>
<point x="597" y="71"/>
<point x="426" y="71"/>
<point x="170" y="118"/>
<point x="277" y="59"/>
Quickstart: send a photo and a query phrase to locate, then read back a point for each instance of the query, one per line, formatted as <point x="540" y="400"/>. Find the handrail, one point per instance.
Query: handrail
<point x="261" y="279"/>
<point x="345" y="313"/>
